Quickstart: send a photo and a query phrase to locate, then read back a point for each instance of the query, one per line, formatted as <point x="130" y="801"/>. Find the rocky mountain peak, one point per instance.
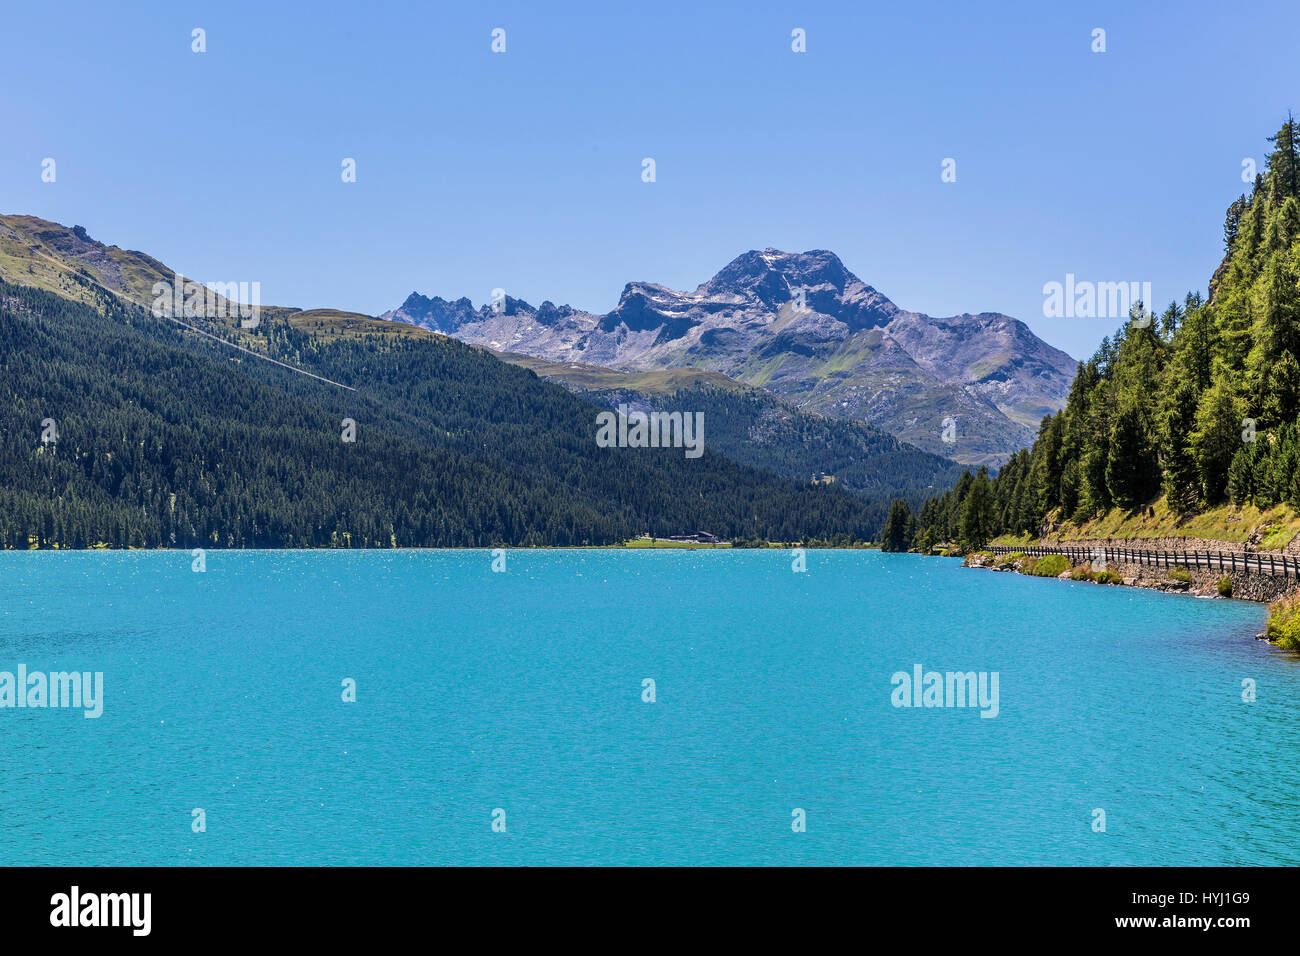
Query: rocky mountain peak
<point x="772" y="276"/>
<point x="849" y="353"/>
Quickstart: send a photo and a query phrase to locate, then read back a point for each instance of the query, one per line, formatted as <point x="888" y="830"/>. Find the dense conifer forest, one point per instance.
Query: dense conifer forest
<point x="1199" y="403"/>
<point x="756" y="428"/>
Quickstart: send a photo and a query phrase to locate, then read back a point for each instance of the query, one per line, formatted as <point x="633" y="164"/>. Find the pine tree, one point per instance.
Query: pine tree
<point x="1284" y="162"/>
<point x="1169" y="321"/>
<point x="1129" y="462"/>
<point x="1233" y="221"/>
<point x="897" y="533"/>
<point x="1216" y="440"/>
<point x="1048" y="462"/>
<point x="1181" y="479"/>
<point x="978" y="519"/>
<point x="1241" y="474"/>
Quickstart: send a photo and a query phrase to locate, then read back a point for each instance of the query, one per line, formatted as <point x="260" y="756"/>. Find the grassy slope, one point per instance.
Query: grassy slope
<point x="1230" y="524"/>
<point x="656" y="382"/>
<point x="47" y="255"/>
<point x="331" y="324"/>
<point x="37" y="252"/>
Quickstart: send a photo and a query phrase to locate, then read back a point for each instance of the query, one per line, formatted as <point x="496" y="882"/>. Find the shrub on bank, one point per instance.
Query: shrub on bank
<point x="1225" y="586"/>
<point x="1082" y="573"/>
<point x="1284" y="623"/>
<point x="1109" y="577"/>
<point x="1180" y="574"/>
<point x="1048" y="566"/>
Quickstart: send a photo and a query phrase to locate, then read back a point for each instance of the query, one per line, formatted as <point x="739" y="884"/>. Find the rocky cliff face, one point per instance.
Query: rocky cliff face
<point x="970" y="387"/>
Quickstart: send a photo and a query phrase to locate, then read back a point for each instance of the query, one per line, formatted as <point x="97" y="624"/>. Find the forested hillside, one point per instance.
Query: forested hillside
<point x="165" y="438"/>
<point x="756" y="428"/>
<point x="1198" y="404"/>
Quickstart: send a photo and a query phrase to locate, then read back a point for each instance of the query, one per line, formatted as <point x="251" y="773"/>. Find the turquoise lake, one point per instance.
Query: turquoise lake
<point x="522" y="691"/>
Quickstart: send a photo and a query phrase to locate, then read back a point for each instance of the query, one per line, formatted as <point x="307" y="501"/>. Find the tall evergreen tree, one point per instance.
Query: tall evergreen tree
<point x="978" y="517"/>
<point x="1130" y="462"/>
<point x="1284" y="161"/>
<point x="1180" y="475"/>
<point x="897" y="532"/>
<point x="1216" y="440"/>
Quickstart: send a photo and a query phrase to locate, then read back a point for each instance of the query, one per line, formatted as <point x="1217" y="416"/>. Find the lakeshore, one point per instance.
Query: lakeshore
<point x="1280" y="594"/>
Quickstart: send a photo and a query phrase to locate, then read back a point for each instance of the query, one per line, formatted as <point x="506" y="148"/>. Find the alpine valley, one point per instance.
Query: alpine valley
<point x="124" y="426"/>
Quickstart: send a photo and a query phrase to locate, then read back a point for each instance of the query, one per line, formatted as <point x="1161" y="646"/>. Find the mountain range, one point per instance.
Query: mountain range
<point x="805" y="328"/>
<point x="197" y="432"/>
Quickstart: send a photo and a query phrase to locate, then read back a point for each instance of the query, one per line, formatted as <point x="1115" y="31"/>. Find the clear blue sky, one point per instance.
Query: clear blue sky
<point x="523" y="170"/>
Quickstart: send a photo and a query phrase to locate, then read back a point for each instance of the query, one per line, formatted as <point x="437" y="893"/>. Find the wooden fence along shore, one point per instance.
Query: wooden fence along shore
<point x="1278" y="565"/>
